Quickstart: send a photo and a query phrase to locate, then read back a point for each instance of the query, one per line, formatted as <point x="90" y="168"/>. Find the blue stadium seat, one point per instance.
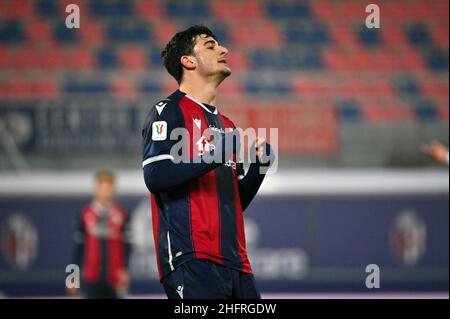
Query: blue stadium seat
<point x="369" y="37"/>
<point x="123" y="8"/>
<point x="349" y="111"/>
<point x="294" y="10"/>
<point x="285" y="60"/>
<point x="86" y="87"/>
<point x="426" y="110"/>
<point x="106" y="58"/>
<point x="63" y="34"/>
<point x="311" y="59"/>
<point x="418" y="34"/>
<point x="150" y="87"/>
<point x="47" y="8"/>
<point x="134" y="32"/>
<point x="195" y="9"/>
<point x="257" y="88"/>
<point x="11" y="31"/>
<point x="155" y="57"/>
<point x="437" y="59"/>
<point x="407" y="85"/>
<point x="140" y="33"/>
<point x="221" y="32"/>
<point x="111" y="8"/>
<point x="307" y="34"/>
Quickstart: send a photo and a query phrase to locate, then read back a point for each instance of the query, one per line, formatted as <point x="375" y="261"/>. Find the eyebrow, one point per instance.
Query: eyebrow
<point x="210" y="41"/>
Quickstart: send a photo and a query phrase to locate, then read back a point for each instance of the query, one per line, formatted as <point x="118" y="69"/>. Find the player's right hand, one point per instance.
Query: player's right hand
<point x="73" y="292"/>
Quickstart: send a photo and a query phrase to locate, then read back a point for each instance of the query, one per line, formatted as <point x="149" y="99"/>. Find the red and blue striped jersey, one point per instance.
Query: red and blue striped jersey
<point x="102" y="243"/>
<point x="201" y="218"/>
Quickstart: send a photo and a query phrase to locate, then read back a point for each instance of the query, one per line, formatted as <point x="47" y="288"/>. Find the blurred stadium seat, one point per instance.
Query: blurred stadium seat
<point x="299" y="52"/>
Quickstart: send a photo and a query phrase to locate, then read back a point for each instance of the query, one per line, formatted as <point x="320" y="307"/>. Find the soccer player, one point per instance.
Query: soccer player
<point x="437" y="151"/>
<point x="102" y="243"/>
<point x="197" y="205"/>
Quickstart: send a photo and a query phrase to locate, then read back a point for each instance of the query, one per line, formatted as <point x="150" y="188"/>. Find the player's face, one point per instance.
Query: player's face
<point x="211" y="57"/>
<point x="105" y="191"/>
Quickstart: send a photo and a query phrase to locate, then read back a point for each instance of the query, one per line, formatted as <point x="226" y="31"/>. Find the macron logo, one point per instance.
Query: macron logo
<point x="160" y="107"/>
<point x="180" y="291"/>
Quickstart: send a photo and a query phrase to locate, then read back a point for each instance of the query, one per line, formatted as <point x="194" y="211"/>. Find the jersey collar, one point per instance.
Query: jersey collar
<point x="203" y="106"/>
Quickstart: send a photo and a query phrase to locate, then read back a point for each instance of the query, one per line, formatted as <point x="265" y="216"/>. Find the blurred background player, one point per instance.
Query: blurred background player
<point x="437" y="151"/>
<point x="102" y="245"/>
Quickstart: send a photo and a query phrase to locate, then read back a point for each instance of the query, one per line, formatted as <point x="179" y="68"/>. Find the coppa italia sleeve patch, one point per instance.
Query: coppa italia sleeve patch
<point x="159" y="131"/>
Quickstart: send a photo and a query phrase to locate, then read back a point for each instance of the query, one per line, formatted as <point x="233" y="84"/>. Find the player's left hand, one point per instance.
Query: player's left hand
<point x="436" y="150"/>
<point x="264" y="151"/>
<point x="124" y="278"/>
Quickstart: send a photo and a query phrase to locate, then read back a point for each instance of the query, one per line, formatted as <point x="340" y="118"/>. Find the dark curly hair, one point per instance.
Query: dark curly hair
<point x="182" y="43"/>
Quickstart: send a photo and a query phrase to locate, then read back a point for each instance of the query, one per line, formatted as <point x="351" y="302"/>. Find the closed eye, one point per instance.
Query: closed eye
<point x="210" y="44"/>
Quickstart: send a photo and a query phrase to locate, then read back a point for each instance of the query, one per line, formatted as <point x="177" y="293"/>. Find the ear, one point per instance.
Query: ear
<point x="188" y="62"/>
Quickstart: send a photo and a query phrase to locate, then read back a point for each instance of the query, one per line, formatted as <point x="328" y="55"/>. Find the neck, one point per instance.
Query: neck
<point x="202" y="91"/>
<point x="103" y="203"/>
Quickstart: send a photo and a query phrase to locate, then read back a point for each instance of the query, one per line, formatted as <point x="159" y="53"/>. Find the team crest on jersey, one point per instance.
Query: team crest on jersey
<point x="159" y="131"/>
<point x="204" y="146"/>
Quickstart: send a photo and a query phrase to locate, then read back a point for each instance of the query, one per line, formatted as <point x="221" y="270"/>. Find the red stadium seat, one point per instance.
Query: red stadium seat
<point x="408" y="58"/>
<point x="80" y="3"/>
<point x="387" y="114"/>
<point x="440" y="37"/>
<point x="351" y="10"/>
<point x="343" y="35"/>
<point x="335" y="60"/>
<point x="6" y="56"/>
<point x="91" y="33"/>
<point x="78" y="59"/>
<point x="383" y="60"/>
<point x="149" y="10"/>
<point x="393" y="35"/>
<point x="51" y="59"/>
<point x="394" y="10"/>
<point x="434" y="87"/>
<point x="304" y="87"/>
<point x="43" y="89"/>
<point x="235" y="10"/>
<point x="230" y="87"/>
<point x="261" y="34"/>
<point x="38" y="31"/>
<point x="238" y="60"/>
<point x="17" y="87"/>
<point x="170" y="85"/>
<point x="163" y="31"/>
<point x="443" y="111"/>
<point x="11" y="9"/>
<point x="133" y="58"/>
<point x="25" y="58"/>
<point x="123" y="88"/>
<point x="323" y="10"/>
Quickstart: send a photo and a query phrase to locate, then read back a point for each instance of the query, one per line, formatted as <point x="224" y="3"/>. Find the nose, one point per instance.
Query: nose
<point x="223" y="51"/>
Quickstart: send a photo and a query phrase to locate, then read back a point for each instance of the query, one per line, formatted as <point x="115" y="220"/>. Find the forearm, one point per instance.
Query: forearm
<point x="250" y="184"/>
<point x="127" y="253"/>
<point x="165" y="174"/>
<point x="78" y="255"/>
